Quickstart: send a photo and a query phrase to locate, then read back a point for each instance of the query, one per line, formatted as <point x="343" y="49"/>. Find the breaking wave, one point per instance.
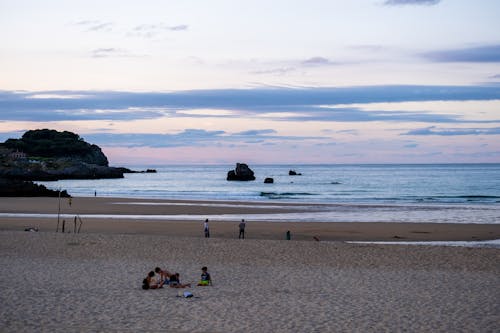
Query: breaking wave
<point x="285" y="195"/>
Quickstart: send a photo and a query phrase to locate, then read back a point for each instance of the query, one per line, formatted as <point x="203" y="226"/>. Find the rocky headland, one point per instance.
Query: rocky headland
<point x="41" y="155"/>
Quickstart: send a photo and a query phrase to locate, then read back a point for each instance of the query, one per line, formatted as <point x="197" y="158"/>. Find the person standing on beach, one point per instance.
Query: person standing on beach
<point x="206" y="229"/>
<point x="242" y="230"/>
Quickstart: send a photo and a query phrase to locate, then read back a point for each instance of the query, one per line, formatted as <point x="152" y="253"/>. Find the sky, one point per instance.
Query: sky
<point x="220" y="82"/>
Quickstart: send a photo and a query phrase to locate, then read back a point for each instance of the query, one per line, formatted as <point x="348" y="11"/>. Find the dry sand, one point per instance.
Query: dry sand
<point x="91" y="282"/>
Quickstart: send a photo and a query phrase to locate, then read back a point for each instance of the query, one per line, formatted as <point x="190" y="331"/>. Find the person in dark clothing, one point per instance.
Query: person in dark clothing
<point x="175" y="282"/>
<point x="242" y="230"/>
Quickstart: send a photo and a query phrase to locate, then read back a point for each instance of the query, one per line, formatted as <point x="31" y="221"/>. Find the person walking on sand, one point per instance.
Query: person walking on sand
<point x="206" y="229"/>
<point x="242" y="230"/>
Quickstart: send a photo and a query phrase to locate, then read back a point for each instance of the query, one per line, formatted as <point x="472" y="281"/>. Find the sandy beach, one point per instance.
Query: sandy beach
<point x="91" y="281"/>
<point x="166" y="221"/>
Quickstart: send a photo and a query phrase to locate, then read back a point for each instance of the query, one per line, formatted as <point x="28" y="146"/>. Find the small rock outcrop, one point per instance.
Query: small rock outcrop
<point x="19" y="188"/>
<point x="127" y="170"/>
<point x="242" y="173"/>
<point x="294" y="173"/>
<point x="268" y="180"/>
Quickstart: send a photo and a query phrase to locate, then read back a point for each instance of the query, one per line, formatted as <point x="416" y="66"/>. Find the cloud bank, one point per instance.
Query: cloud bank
<point x="454" y="131"/>
<point x="482" y="54"/>
<point x="191" y="137"/>
<point x="304" y="104"/>
<point x="95" y="25"/>
<point x="411" y="2"/>
<point x="153" y="30"/>
<point x="317" y="61"/>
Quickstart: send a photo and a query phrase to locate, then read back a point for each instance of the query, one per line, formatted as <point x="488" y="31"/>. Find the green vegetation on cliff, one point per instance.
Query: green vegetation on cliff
<point x="46" y="154"/>
<point x="51" y="155"/>
<point x="54" y="144"/>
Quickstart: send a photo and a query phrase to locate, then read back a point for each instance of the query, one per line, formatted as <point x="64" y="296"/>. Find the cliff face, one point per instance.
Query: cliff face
<point x="55" y="169"/>
<point x="52" y="155"/>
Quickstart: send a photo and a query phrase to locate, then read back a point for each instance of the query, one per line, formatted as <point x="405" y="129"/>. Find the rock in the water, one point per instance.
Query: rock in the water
<point x="268" y="180"/>
<point x="127" y="170"/>
<point x="241" y="173"/>
<point x="294" y="173"/>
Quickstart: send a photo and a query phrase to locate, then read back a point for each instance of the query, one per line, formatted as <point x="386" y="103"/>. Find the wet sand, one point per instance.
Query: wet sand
<point x="170" y="226"/>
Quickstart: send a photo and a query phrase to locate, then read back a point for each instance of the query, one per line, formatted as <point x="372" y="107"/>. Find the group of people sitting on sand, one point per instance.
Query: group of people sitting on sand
<point x="159" y="277"/>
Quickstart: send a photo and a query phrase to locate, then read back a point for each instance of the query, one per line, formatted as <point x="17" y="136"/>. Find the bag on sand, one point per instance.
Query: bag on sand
<point x="185" y="294"/>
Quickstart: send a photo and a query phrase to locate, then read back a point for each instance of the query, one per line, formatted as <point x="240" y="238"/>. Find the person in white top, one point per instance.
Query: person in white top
<point x="206" y="229"/>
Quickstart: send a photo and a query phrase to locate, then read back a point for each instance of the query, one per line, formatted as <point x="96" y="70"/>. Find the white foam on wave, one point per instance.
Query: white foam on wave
<point x="494" y="243"/>
<point x="330" y="216"/>
<point x="249" y="205"/>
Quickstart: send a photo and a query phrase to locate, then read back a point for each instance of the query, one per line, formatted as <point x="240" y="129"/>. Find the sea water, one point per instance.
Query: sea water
<point x="441" y="193"/>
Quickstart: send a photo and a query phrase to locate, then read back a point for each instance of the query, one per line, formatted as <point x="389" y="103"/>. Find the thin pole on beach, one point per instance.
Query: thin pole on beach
<point x="58" y="210"/>
<point x="81" y="222"/>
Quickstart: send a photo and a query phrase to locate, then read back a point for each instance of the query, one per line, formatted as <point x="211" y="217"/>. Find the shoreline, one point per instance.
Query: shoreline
<point x="174" y="225"/>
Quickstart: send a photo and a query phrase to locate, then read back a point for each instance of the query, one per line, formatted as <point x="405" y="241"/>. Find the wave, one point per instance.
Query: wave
<point x="478" y="197"/>
<point x="462" y="198"/>
<point x="284" y="195"/>
<point x="441" y="199"/>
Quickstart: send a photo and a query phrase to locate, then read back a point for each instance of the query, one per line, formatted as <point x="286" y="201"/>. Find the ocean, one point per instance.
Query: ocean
<point x="440" y="193"/>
